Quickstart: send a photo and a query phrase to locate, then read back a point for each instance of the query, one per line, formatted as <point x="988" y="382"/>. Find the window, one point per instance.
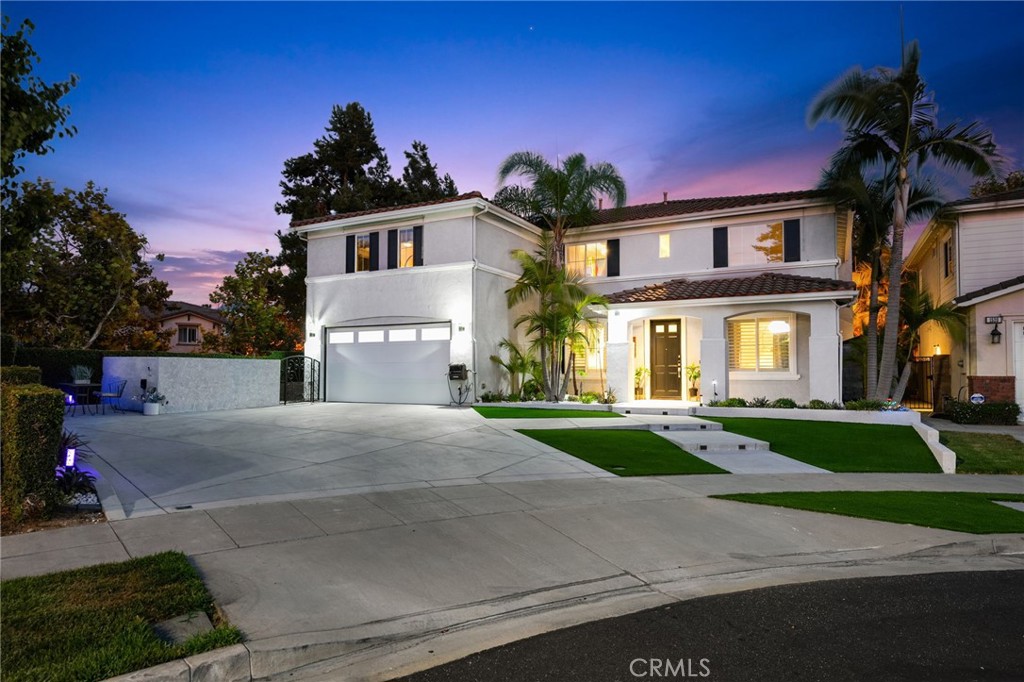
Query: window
<point x="436" y="333"/>
<point x="761" y="343"/>
<point x="588" y="260"/>
<point x="371" y="336"/>
<point x="406" y="248"/>
<point x="188" y="334"/>
<point x="362" y="252"/>
<point x="401" y="335"/>
<point x="757" y="244"/>
<point x="947" y="258"/>
<point x="664" y="245"/>
<point x="341" y="337"/>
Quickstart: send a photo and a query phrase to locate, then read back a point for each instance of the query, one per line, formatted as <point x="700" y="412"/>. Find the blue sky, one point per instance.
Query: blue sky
<point x="187" y="111"/>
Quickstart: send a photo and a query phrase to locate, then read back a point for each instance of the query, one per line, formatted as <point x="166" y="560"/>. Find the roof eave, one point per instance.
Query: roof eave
<point x="720" y="213"/>
<point x="845" y="294"/>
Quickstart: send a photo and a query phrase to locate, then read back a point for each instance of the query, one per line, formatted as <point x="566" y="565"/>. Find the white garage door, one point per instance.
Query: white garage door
<point x="389" y="364"/>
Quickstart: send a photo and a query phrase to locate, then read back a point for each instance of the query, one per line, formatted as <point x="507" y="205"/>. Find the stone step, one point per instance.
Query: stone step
<point x="659" y="411"/>
<point x="719" y="442"/>
<point x="652" y="423"/>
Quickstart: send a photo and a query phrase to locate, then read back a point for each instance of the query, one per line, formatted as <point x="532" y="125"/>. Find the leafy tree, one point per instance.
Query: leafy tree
<point x="993" y="185"/>
<point x="255" y="319"/>
<point x="419" y="178"/>
<point x="890" y="122"/>
<point x="557" y="198"/>
<point x="31" y="112"/>
<point x="74" y="272"/>
<point x="559" y="321"/>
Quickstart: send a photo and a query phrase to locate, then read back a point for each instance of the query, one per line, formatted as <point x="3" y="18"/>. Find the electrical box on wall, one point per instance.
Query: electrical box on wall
<point x="457" y="373"/>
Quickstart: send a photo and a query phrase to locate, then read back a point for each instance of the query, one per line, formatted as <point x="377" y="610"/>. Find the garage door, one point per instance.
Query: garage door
<point x="389" y="364"/>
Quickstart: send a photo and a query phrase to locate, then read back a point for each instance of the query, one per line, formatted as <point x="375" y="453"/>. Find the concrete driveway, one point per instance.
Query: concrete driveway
<point x="226" y="458"/>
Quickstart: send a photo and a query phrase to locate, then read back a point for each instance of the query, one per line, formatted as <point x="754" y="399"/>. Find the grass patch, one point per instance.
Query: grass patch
<point x="985" y="453"/>
<point x="964" y="512"/>
<point x="93" y="623"/>
<point x="838" y="446"/>
<point x="624" y="452"/>
<point x="541" y="413"/>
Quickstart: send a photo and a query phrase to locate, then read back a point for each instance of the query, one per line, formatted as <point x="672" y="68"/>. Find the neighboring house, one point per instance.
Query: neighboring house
<point x="188" y="323"/>
<point x="754" y="288"/>
<point x="972" y="253"/>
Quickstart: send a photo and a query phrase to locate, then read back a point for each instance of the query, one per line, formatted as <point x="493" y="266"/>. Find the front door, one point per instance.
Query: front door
<point x="666" y="360"/>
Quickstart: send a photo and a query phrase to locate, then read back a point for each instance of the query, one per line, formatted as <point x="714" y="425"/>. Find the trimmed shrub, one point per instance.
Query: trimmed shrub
<point x="728" y="402"/>
<point x="865" y="405"/>
<point x="8" y="349"/>
<point x="589" y="398"/>
<point x="1004" y="414"/>
<point x="31" y="426"/>
<point x="784" y="404"/>
<point x="20" y="375"/>
<point x="816" y="404"/>
<point x="760" y="401"/>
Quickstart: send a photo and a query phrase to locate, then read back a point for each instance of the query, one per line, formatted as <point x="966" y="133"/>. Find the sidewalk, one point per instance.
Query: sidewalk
<point x="1017" y="431"/>
<point x="373" y="585"/>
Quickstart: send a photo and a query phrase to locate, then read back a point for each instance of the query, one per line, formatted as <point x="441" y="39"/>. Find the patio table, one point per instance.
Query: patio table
<point x="80" y="394"/>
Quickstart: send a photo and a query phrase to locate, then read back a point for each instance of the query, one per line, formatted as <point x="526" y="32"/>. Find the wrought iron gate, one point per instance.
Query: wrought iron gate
<point x="300" y="379"/>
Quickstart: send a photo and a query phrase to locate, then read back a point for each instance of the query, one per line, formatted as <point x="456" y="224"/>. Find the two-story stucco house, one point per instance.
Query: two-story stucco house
<point x="187" y="323"/>
<point x="753" y="288"/>
<point x="972" y="253"/>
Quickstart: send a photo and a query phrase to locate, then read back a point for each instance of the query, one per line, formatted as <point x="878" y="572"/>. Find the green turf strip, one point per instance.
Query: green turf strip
<point x="624" y="452"/>
<point x="541" y="413"/>
<point x="838" y="446"/>
<point x="93" y="623"/>
<point x="985" y="453"/>
<point x="965" y="512"/>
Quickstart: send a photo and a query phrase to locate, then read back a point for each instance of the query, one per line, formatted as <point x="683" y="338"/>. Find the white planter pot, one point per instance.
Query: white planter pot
<point x="150" y="409"/>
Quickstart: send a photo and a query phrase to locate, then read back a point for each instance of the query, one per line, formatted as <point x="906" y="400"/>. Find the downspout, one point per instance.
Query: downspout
<point x="473" y="321"/>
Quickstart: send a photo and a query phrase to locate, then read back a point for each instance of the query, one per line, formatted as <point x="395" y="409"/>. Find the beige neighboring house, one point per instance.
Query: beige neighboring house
<point x="972" y="253"/>
<point x="189" y="322"/>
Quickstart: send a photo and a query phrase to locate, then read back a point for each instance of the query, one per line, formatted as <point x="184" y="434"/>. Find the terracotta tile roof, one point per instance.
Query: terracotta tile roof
<point x="993" y="289"/>
<point x="703" y="205"/>
<point x="765" y="284"/>
<point x="385" y="209"/>
<point x="1011" y="195"/>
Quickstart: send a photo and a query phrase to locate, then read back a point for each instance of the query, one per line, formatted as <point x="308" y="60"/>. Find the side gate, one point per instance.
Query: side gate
<point x="300" y="380"/>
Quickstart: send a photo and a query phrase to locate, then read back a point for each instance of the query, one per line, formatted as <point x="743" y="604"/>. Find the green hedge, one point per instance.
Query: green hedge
<point x="8" y="349"/>
<point x="55" y="363"/>
<point x="1004" y="414"/>
<point x="20" y="375"/>
<point x="31" y="424"/>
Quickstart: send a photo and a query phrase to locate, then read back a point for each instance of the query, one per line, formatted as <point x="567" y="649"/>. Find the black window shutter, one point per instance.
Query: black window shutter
<point x="350" y="253"/>
<point x="721" y="246"/>
<point x="613" y="257"/>
<point x="392" y="249"/>
<point x="375" y="250"/>
<point x="417" y="245"/>
<point x="791" y="241"/>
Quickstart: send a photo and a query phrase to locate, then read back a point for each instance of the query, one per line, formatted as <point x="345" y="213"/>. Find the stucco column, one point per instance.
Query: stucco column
<point x="824" y="348"/>
<point x="617" y="356"/>
<point x="714" y="358"/>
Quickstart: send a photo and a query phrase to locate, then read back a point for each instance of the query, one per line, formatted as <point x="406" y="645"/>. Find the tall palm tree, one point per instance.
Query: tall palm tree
<point x="520" y="363"/>
<point x="560" y="197"/>
<point x="559" y="319"/>
<point x="917" y="309"/>
<point x="872" y="204"/>
<point x="890" y="122"/>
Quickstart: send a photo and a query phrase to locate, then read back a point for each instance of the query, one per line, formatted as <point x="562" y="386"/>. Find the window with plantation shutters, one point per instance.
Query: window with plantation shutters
<point x="761" y="343"/>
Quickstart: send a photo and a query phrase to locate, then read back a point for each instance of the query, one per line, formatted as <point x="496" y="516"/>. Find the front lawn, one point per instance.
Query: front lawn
<point x="985" y="453"/>
<point x="840" y="447"/>
<point x="93" y="623"/>
<point x="964" y="512"/>
<point x="540" y="413"/>
<point x="624" y="452"/>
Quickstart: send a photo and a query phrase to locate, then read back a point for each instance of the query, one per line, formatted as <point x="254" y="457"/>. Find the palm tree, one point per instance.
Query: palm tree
<point x="872" y="204"/>
<point x="558" y="197"/>
<point x="520" y="363"/>
<point x="890" y="122"/>
<point x="560" y="318"/>
<point x="917" y="309"/>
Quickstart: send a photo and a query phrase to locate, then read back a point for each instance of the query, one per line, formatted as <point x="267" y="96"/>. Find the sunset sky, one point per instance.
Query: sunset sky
<point x="186" y="112"/>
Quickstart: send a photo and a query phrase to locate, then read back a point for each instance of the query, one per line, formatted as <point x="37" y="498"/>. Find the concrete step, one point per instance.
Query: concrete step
<point x="645" y="422"/>
<point x="715" y="441"/>
<point x="660" y="411"/>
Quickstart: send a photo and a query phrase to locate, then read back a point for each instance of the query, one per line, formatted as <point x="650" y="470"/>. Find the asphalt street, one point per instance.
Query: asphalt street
<point x="946" y="626"/>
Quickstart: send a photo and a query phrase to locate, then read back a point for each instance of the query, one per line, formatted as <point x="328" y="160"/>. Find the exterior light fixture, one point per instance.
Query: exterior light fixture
<point x="936" y="349"/>
<point x="714" y="388"/>
<point x="778" y="327"/>
<point x="997" y="336"/>
<point x="69" y="458"/>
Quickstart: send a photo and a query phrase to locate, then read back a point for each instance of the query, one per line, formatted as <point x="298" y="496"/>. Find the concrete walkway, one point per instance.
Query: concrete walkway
<point x="490" y="537"/>
<point x="1017" y="431"/>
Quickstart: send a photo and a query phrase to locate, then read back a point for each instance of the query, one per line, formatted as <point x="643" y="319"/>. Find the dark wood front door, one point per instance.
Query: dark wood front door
<point x="666" y="359"/>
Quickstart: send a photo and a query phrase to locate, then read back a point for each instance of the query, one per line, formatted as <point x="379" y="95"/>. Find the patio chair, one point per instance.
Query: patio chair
<point x="111" y="394"/>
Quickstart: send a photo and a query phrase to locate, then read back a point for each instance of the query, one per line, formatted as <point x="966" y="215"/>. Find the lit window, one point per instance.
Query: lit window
<point x="341" y="337"/>
<point x="436" y="333"/>
<point x="761" y="343"/>
<point x="755" y="244"/>
<point x="372" y="336"/>
<point x="362" y="252"/>
<point x="402" y="335"/>
<point x="188" y="335"/>
<point x="406" y="248"/>
<point x="588" y="260"/>
<point x="664" y="245"/>
<point x="947" y="258"/>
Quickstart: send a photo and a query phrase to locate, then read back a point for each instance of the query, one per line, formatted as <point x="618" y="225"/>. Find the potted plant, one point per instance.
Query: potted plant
<point x="151" y="401"/>
<point x="639" y="378"/>
<point x="81" y="374"/>
<point x="693" y="376"/>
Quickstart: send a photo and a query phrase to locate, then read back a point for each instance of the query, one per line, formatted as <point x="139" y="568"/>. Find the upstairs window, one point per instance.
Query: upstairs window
<point x="761" y="343"/>
<point x="664" y="245"/>
<point x="362" y="253"/>
<point x="188" y="335"/>
<point x="406" y="248"/>
<point x="947" y="258"/>
<point x="757" y="244"/>
<point x="587" y="260"/>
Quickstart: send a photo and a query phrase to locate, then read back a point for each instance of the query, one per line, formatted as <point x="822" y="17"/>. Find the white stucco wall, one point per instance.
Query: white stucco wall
<point x="198" y="384"/>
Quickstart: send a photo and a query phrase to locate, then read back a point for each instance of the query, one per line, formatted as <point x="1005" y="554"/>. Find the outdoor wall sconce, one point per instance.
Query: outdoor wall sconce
<point x="995" y="334"/>
<point x="936" y="349"/>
